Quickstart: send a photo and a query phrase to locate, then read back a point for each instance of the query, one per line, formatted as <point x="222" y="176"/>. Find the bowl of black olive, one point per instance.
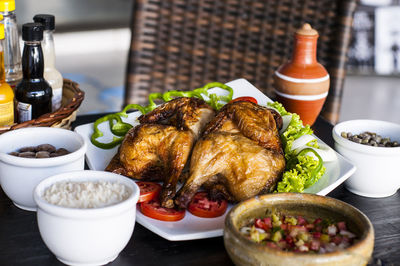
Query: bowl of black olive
<point x="373" y="147"/>
<point x="29" y="155"/>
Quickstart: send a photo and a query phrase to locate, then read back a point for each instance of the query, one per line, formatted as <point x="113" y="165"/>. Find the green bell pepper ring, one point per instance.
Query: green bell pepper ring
<point x="213" y="99"/>
<point x="152" y="105"/>
<point x="97" y="133"/>
<point x="168" y="96"/>
<point x="119" y="128"/>
<point x="124" y="111"/>
<point x="316" y="170"/>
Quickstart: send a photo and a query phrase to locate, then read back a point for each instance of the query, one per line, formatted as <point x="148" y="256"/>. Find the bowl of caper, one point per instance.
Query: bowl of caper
<point x="373" y="147"/>
<point x="29" y="155"/>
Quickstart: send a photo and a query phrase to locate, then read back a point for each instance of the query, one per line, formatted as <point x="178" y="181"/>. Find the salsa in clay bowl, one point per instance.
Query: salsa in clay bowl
<point x="297" y="229"/>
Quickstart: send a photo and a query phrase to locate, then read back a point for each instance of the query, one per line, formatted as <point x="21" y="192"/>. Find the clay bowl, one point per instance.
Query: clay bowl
<point x="244" y="251"/>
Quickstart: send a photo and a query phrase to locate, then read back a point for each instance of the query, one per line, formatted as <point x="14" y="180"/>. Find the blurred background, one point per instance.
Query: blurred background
<point x="93" y="37"/>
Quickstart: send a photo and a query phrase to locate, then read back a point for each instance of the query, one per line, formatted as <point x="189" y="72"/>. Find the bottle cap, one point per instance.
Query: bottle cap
<point x="48" y="21"/>
<point x="7" y="5"/>
<point x="32" y="32"/>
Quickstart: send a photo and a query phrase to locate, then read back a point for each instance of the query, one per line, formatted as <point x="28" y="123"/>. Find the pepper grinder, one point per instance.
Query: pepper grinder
<point x="302" y="84"/>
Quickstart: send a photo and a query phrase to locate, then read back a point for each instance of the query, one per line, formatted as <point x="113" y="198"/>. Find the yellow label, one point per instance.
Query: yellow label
<point x="6" y="114"/>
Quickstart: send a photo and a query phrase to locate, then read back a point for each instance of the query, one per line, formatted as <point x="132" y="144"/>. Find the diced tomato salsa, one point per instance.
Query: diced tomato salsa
<point x="297" y="234"/>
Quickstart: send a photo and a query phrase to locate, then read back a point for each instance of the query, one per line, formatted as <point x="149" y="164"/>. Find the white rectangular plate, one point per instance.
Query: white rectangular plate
<point x="192" y="227"/>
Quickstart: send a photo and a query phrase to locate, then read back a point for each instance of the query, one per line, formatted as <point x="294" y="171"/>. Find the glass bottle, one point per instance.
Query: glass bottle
<point x="12" y="52"/>
<point x="6" y="92"/>
<point x="33" y="93"/>
<point x="51" y="74"/>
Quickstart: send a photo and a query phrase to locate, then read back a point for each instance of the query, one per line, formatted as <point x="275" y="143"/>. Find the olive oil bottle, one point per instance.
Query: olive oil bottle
<point x="12" y="52"/>
<point x="6" y="92"/>
<point x="33" y="93"/>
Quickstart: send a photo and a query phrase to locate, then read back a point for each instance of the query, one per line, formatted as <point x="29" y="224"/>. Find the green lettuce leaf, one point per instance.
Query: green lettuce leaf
<point x="278" y="107"/>
<point x="297" y="177"/>
<point x="299" y="169"/>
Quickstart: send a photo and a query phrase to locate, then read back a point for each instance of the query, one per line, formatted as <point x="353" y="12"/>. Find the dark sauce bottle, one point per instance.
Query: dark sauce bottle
<point x="33" y="93"/>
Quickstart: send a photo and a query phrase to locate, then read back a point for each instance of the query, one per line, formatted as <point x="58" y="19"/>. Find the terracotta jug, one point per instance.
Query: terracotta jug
<point x="302" y="84"/>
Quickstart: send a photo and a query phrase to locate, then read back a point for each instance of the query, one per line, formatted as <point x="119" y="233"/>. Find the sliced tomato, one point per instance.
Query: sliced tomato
<point x="153" y="209"/>
<point x="148" y="190"/>
<point x="245" y="99"/>
<point x="202" y="206"/>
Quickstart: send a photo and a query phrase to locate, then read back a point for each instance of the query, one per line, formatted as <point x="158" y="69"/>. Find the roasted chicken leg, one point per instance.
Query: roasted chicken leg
<point x="159" y="147"/>
<point x="238" y="156"/>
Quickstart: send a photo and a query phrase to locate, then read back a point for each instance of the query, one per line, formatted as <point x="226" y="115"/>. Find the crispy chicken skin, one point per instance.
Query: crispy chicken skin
<point x="158" y="148"/>
<point x="239" y="155"/>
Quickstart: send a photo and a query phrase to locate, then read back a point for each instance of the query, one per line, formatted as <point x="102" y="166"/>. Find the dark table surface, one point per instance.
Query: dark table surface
<point x="20" y="242"/>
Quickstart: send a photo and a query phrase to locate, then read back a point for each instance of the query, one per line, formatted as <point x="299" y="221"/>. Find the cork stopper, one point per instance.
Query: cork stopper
<point x="307" y="30"/>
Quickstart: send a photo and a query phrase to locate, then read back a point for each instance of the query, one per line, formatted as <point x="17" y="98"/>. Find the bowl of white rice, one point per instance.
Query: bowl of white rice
<point x="86" y="217"/>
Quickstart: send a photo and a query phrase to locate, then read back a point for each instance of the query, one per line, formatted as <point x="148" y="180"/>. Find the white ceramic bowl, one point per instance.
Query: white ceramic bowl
<point x="19" y="176"/>
<point x="86" y="236"/>
<point x="378" y="168"/>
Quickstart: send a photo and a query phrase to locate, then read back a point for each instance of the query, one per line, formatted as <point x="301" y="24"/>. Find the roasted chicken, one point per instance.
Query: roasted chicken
<point x="159" y="147"/>
<point x="238" y="156"/>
